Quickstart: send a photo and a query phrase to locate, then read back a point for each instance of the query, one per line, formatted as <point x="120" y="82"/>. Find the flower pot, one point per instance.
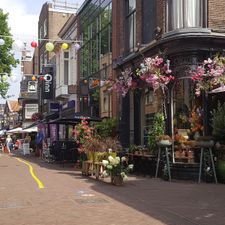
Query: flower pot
<point x="117" y="180"/>
<point x="206" y="144"/>
<point x="164" y="143"/>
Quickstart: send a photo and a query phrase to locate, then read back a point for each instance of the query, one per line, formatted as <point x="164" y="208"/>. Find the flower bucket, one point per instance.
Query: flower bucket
<point x="117" y="180"/>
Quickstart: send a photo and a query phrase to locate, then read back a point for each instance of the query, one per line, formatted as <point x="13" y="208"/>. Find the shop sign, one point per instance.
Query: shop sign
<point x="54" y="107"/>
<point x="69" y="105"/>
<point x="48" y="87"/>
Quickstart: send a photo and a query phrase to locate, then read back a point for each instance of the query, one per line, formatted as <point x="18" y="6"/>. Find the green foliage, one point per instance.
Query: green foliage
<point x="218" y="122"/>
<point x="7" y="60"/>
<point x="157" y="129"/>
<point x="106" y="128"/>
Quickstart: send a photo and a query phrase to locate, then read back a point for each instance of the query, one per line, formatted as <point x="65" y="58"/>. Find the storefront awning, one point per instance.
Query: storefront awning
<point x="74" y="120"/>
<point x="217" y="90"/>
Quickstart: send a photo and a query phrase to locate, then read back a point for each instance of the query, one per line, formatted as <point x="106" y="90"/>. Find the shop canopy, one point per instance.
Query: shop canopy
<point x="74" y="120"/>
<point x="18" y="130"/>
<point x="217" y="90"/>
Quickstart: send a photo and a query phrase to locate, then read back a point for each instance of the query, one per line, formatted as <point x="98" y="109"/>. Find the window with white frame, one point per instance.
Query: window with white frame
<point x="32" y="86"/>
<point x="130" y="24"/>
<point x="45" y="27"/>
<point x="184" y="14"/>
<point x="41" y="32"/>
<point x="45" y="58"/>
<point x="30" y="109"/>
<point x="41" y="62"/>
<point x="66" y="66"/>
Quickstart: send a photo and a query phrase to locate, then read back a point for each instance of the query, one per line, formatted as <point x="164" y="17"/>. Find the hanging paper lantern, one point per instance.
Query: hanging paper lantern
<point x="33" y="44"/>
<point x="2" y="42"/>
<point x="17" y="45"/>
<point x="13" y="78"/>
<point x="33" y="78"/>
<point x="64" y="46"/>
<point x="4" y="77"/>
<point x="76" y="46"/>
<point x="49" y="47"/>
<point x="41" y="78"/>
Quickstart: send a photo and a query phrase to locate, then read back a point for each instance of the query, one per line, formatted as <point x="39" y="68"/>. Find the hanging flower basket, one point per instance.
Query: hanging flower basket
<point x="209" y="75"/>
<point x="153" y="73"/>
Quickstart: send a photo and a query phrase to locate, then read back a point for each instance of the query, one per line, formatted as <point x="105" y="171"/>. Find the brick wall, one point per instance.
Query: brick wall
<point x="216" y="14"/>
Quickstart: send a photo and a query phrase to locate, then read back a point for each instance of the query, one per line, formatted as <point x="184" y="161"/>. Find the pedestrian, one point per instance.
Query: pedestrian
<point x="39" y="141"/>
<point x="9" y="143"/>
<point x="27" y="139"/>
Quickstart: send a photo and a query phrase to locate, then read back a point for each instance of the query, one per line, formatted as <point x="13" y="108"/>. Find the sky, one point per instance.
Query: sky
<point x="23" y="21"/>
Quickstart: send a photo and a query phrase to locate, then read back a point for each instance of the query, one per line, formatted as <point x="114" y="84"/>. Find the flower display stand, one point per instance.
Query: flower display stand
<point x="206" y="146"/>
<point x="163" y="145"/>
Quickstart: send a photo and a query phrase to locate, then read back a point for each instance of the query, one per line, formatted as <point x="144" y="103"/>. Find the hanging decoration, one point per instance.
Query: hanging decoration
<point x="64" y="46"/>
<point x="49" y="46"/>
<point x="4" y="77"/>
<point x="33" y="78"/>
<point x="2" y="42"/>
<point x="76" y="46"/>
<point x="33" y="44"/>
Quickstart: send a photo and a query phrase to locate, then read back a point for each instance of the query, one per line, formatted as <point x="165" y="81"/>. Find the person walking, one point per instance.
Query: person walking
<point x="9" y="143"/>
<point x="39" y="141"/>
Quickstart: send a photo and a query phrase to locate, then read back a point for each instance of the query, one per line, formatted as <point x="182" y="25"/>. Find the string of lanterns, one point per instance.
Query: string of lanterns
<point x="18" y="45"/>
<point x="4" y="77"/>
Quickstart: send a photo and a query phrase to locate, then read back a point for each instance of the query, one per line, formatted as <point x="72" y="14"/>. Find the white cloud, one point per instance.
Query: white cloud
<point x="24" y="26"/>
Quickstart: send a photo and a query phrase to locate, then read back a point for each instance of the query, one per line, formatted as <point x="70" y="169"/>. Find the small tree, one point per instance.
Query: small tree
<point x="7" y="60"/>
<point x="218" y="122"/>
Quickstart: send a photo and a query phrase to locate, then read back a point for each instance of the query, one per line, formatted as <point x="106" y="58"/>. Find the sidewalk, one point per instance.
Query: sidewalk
<point x="69" y="198"/>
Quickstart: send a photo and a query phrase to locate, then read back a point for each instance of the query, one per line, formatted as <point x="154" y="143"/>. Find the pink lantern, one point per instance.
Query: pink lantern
<point x="33" y="44"/>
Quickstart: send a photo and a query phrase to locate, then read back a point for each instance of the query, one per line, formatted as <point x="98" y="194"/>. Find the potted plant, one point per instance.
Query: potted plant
<point x="157" y="130"/>
<point x="164" y="140"/>
<point x="117" y="168"/>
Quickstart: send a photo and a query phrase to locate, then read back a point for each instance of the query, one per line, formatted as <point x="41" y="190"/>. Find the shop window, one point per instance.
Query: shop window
<point x="188" y="114"/>
<point x="184" y="14"/>
<point x="149" y="97"/>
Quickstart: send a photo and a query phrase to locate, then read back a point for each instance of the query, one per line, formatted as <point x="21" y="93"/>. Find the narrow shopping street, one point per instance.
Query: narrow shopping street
<point x="69" y="198"/>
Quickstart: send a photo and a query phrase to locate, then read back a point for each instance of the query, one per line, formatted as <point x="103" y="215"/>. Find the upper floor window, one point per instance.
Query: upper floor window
<point x="66" y="66"/>
<point x="45" y="27"/>
<point x="130" y="25"/>
<point x="184" y="14"/>
<point x="149" y="20"/>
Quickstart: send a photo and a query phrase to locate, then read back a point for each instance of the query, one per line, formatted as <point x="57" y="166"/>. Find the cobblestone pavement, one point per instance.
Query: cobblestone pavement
<point x="69" y="198"/>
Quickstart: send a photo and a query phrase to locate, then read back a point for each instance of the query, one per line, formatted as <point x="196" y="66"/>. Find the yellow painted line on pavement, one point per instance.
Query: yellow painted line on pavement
<point x="32" y="173"/>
